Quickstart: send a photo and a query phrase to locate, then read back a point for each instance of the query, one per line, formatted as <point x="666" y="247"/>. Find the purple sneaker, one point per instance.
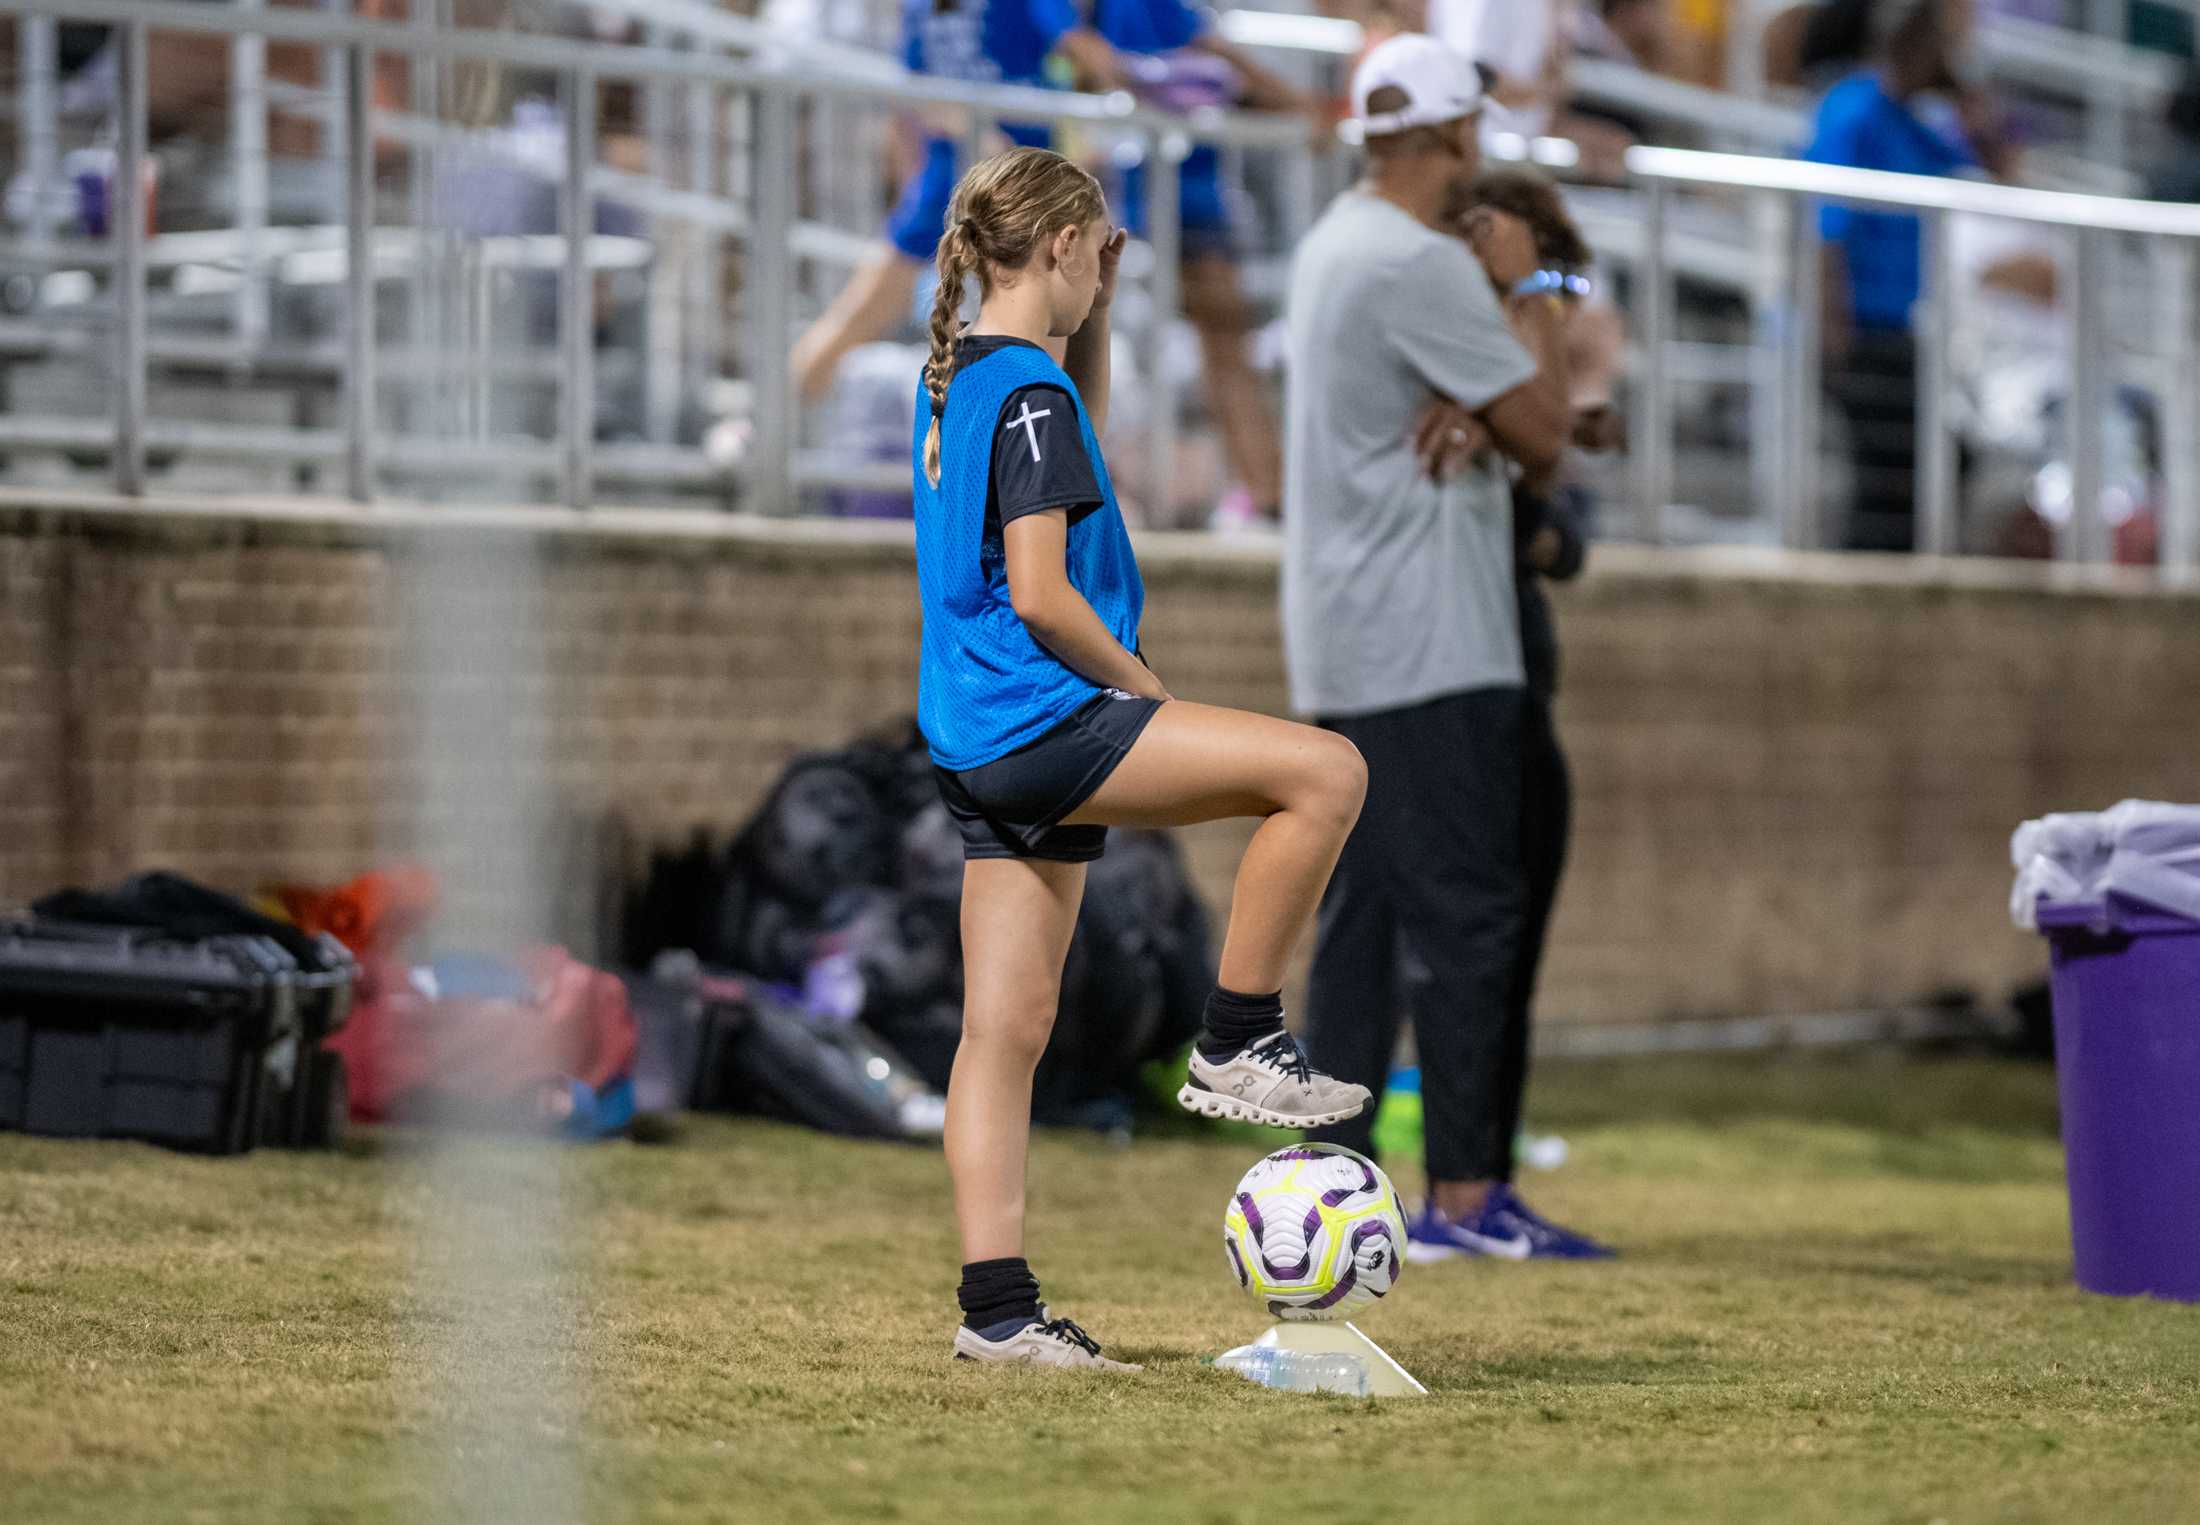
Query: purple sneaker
<point x="1546" y="1240"/>
<point x="1505" y="1229"/>
<point x="1430" y="1237"/>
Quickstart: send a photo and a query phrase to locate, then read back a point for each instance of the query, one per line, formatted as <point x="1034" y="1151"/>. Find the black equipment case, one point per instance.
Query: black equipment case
<point x="210" y="1044"/>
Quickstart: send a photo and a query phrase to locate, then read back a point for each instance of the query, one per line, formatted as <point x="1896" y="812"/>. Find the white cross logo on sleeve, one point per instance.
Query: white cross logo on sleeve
<point x="1028" y="421"/>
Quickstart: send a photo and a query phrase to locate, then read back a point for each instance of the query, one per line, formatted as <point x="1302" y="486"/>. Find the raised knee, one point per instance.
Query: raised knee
<point x="1337" y="786"/>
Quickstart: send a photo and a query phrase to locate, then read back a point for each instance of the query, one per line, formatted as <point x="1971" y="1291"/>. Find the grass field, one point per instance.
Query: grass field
<point x="1846" y="1298"/>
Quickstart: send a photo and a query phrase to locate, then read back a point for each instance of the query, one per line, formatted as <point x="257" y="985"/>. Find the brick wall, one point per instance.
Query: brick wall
<point x="1796" y="776"/>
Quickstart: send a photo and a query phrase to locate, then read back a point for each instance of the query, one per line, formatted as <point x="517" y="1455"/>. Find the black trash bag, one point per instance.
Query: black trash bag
<point x="823" y="829"/>
<point x="898" y="765"/>
<point x="854" y="853"/>
<point x="908" y="950"/>
<point x="1185" y="946"/>
<point x="676" y="904"/>
<point x="931" y="854"/>
<point x="760" y="934"/>
<point x="1134" y="984"/>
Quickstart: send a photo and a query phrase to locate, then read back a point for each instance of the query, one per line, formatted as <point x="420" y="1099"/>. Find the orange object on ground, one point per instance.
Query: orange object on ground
<point x="372" y="915"/>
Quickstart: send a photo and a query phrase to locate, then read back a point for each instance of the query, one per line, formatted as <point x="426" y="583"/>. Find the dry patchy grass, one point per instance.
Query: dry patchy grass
<point x="1846" y="1297"/>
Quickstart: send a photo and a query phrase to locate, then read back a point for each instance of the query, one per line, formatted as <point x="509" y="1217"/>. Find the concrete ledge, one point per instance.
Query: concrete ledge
<point x="879" y="542"/>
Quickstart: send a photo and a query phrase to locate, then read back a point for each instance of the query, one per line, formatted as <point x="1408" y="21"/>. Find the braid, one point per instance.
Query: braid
<point x="955" y="259"/>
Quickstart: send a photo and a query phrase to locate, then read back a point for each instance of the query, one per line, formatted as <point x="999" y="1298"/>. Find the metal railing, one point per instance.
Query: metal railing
<point x="1722" y="119"/>
<point x="1788" y="451"/>
<point x="771" y="81"/>
<point x="1772" y="256"/>
<point x="2113" y="83"/>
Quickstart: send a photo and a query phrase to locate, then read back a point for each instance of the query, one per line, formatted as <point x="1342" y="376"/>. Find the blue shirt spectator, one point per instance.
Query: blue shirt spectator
<point x="1861" y="125"/>
<point x="1148" y="26"/>
<point x="1151" y="28"/>
<point x="985" y="40"/>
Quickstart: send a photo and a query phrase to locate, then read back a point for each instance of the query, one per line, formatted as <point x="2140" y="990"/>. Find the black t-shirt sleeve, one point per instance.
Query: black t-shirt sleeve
<point x="1039" y="459"/>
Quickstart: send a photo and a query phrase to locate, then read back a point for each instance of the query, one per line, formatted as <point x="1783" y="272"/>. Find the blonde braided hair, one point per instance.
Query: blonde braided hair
<point x="1003" y="210"/>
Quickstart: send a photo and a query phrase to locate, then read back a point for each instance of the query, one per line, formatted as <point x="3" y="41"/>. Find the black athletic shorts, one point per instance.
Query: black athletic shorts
<point x="1012" y="807"/>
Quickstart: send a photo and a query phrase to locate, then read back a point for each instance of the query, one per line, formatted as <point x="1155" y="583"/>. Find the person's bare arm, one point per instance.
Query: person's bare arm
<point x="1448" y="438"/>
<point x="1515" y="93"/>
<point x="1521" y="92"/>
<point x="1596" y="345"/>
<point x="1057" y="615"/>
<point x="1533" y="421"/>
<point x="1265" y="90"/>
<point x="1541" y="322"/>
<point x="1093" y="59"/>
<point x="1087" y="354"/>
<point x="1532" y="425"/>
<point x="2028" y="273"/>
<point x="1982" y="127"/>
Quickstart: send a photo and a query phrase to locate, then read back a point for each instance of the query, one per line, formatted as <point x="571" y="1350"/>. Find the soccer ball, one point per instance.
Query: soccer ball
<point x="1315" y="1231"/>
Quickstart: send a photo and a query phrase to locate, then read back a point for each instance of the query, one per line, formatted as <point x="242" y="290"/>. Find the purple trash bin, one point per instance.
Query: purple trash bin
<point x="2127" y="1056"/>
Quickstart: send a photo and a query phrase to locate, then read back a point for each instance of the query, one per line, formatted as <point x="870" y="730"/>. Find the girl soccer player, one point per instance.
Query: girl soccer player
<point x="1046" y="726"/>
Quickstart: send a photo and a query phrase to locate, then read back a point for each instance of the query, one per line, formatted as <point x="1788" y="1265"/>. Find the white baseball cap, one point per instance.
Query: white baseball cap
<point x="1440" y="85"/>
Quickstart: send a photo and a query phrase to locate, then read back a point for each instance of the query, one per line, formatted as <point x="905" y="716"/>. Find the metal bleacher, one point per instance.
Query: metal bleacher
<point x="378" y="349"/>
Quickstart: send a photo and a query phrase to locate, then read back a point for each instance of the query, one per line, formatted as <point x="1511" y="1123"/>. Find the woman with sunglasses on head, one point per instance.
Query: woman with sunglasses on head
<point x="1550" y="525"/>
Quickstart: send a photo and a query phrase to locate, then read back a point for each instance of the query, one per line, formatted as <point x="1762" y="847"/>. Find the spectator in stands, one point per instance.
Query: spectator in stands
<point x="2177" y="176"/>
<point x="1632" y="32"/>
<point x="1178" y="60"/>
<point x="1917" y="112"/>
<point x="981" y="41"/>
<point x="1522" y="46"/>
<point x="1819" y="44"/>
<point x="1636" y="34"/>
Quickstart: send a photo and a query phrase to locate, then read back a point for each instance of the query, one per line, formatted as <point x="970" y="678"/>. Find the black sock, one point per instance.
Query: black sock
<point x="1234" y="1020"/>
<point x="998" y="1292"/>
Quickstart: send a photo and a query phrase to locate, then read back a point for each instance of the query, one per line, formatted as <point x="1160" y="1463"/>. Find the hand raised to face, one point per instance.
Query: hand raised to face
<point x="1504" y="245"/>
<point x="1111" y="258"/>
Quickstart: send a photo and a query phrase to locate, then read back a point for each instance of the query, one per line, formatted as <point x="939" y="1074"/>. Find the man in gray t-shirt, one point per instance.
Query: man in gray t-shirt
<point x="1397" y="587"/>
<point x="1401" y="627"/>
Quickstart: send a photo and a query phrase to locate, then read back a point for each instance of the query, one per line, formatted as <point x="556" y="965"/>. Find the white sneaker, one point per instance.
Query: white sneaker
<point x="1045" y="1341"/>
<point x="1269" y="1081"/>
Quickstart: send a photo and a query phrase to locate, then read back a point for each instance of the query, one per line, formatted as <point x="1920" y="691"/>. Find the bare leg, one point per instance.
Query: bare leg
<point x="1195" y="762"/>
<point x="1250" y="442"/>
<point x="1017" y="917"/>
<point x="873" y="303"/>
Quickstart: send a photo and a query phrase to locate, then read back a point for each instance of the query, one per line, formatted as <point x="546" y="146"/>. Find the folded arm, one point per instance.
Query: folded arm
<point x="1534" y="422"/>
<point x="1058" y="616"/>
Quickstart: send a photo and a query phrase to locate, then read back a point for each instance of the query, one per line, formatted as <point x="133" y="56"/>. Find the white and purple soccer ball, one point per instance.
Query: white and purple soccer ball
<point x="1315" y="1231"/>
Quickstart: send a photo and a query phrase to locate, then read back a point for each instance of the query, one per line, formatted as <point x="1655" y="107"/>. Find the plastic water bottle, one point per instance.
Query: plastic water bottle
<point x="1298" y="1371"/>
